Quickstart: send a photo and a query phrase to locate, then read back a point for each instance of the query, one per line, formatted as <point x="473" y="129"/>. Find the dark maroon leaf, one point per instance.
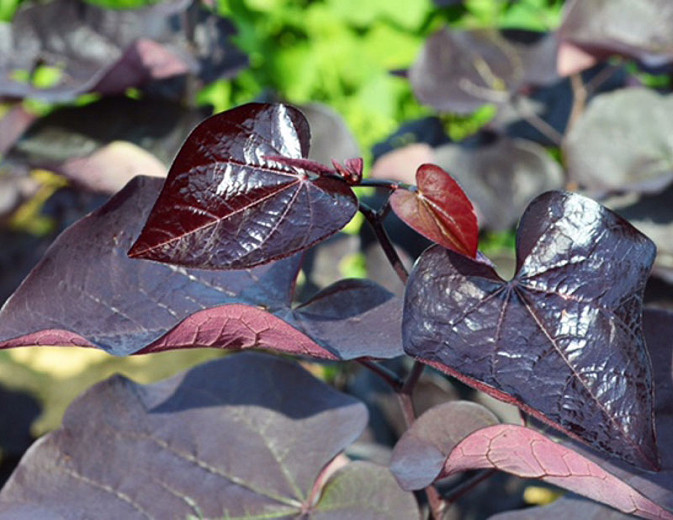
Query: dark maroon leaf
<point x="529" y="454"/>
<point x="620" y="143"/>
<point x="592" y="30"/>
<point x="500" y="176"/>
<point x="243" y="436"/>
<point x="439" y="210"/>
<point x="87" y="292"/>
<point x="227" y="205"/>
<point x="562" y="340"/>
<point x="460" y="71"/>
<point x="419" y="456"/>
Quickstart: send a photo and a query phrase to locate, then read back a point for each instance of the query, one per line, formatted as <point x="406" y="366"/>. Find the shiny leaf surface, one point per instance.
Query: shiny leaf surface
<point x="248" y="435"/>
<point x="225" y="204"/>
<point x="563" y="339"/>
<point x="439" y="210"/>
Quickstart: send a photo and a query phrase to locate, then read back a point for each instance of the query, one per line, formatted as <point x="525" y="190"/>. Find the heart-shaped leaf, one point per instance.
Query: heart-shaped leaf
<point x="439" y="210"/>
<point x="245" y="436"/>
<point x="563" y="339"/>
<point x="87" y="292"/>
<point x="529" y="454"/>
<point x="225" y="204"/>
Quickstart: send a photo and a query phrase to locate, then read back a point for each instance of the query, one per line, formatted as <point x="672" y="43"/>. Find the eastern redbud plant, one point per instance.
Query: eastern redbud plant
<point x="214" y="263"/>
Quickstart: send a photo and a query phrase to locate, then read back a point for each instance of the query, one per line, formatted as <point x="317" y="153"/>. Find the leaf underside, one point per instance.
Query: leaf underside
<point x="563" y="339"/>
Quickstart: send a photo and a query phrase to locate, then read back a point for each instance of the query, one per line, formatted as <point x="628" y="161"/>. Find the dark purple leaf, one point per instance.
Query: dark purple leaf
<point x="501" y="176"/>
<point x="244" y="436"/>
<point x="592" y="30"/>
<point x="439" y="210"/>
<point x="529" y="454"/>
<point x="621" y="143"/>
<point x="226" y="204"/>
<point x="563" y="339"/>
<point x="419" y="456"/>
<point x="87" y="292"/>
<point x="461" y="71"/>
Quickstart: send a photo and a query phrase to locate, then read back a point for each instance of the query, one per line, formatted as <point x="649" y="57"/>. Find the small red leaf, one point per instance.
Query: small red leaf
<point x="439" y="210"/>
<point x="529" y="454"/>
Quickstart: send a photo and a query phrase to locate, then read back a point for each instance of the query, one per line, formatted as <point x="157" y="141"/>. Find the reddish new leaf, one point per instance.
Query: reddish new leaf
<point x="439" y="210"/>
<point x="529" y="454"/>
<point x="563" y="339"/>
<point x="228" y="204"/>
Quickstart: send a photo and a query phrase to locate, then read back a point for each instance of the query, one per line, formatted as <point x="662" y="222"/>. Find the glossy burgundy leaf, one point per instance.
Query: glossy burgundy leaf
<point x="226" y="205"/>
<point x="248" y="435"/>
<point x="620" y="143"/>
<point x="563" y="339"/>
<point x="419" y="456"/>
<point x="439" y="210"/>
<point x="87" y="292"/>
<point x="592" y="30"/>
<point x="529" y="454"/>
